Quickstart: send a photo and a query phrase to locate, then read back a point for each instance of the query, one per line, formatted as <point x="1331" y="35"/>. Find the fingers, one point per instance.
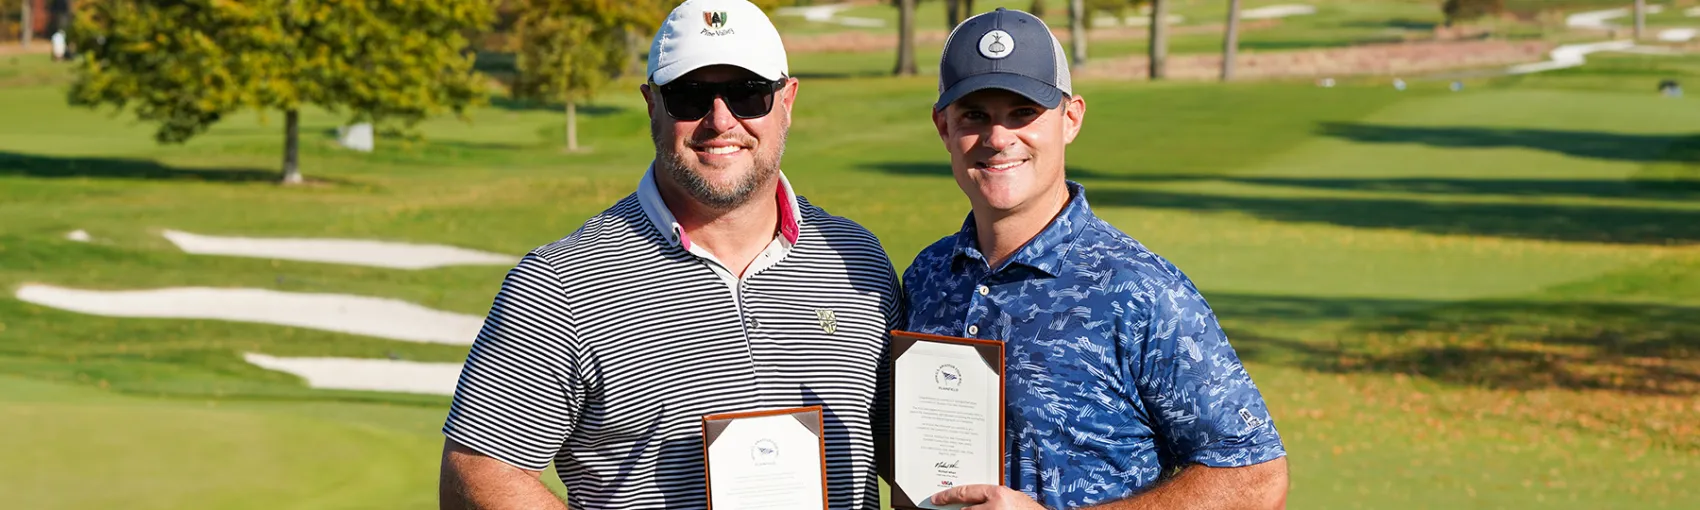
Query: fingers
<point x="967" y="494"/>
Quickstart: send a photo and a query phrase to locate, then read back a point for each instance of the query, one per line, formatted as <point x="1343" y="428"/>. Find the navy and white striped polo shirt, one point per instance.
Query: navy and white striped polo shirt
<point x="603" y="351"/>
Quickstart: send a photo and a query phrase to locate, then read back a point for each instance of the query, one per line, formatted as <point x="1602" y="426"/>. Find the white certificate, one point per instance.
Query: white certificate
<point x="765" y="460"/>
<point x="947" y="411"/>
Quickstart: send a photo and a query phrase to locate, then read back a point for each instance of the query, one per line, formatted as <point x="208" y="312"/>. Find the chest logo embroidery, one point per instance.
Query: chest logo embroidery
<point x="828" y="320"/>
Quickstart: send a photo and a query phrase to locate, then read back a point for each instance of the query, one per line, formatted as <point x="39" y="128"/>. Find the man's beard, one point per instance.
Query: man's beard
<point x="765" y="169"/>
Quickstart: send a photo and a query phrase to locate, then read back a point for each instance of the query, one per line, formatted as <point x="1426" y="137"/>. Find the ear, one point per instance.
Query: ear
<point x="942" y="122"/>
<point x="648" y="99"/>
<point x="789" y="98"/>
<point x="1074" y="114"/>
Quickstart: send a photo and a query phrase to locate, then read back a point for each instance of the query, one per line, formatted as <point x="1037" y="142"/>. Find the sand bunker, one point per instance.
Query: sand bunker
<point x="1600" y="20"/>
<point x="829" y="14"/>
<point x="337" y="251"/>
<point x="377" y="317"/>
<point x="366" y="374"/>
<point x="1571" y="55"/>
<point x="1278" y="11"/>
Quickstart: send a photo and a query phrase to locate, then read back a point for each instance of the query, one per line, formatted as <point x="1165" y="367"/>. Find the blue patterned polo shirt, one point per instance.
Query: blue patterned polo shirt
<point x="1116" y="369"/>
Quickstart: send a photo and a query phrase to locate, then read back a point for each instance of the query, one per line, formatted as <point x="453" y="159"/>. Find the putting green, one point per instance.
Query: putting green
<point x="74" y="447"/>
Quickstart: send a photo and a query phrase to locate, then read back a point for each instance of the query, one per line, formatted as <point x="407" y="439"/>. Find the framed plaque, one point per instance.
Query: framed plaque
<point x="765" y="459"/>
<point x="947" y="416"/>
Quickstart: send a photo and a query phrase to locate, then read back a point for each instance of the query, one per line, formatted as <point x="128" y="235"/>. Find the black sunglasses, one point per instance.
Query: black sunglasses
<point x="692" y="100"/>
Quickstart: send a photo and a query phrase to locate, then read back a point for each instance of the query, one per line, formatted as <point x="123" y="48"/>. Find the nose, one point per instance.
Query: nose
<point x="720" y="118"/>
<point x="998" y="138"/>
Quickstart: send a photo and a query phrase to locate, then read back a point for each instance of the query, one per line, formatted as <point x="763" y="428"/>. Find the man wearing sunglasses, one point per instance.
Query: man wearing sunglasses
<point x="1123" y="392"/>
<point x="713" y="288"/>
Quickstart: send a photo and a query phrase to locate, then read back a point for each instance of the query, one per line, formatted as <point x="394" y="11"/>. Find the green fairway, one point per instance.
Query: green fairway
<point x="1477" y="299"/>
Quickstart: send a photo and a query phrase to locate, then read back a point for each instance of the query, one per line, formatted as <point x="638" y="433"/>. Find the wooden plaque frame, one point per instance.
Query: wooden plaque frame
<point x="991" y="352"/>
<point x="812" y="418"/>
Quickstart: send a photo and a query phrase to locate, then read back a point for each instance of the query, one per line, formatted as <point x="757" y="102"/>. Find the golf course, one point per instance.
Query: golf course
<point x="1481" y="296"/>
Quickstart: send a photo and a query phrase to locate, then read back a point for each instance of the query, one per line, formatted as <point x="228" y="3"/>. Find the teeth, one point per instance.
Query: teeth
<point x="1005" y="166"/>
<point x="724" y="149"/>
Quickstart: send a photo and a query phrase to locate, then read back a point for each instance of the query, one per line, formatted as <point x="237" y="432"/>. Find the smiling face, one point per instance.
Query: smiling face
<point x="1007" y="151"/>
<point x="720" y="160"/>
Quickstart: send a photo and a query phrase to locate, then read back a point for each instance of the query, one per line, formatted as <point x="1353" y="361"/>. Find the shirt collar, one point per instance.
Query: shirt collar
<point x="1046" y="251"/>
<point x="649" y="196"/>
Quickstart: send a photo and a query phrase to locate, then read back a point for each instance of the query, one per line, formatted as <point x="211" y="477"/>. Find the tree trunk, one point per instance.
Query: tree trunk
<point x="905" y="38"/>
<point x="952" y="13"/>
<point x="572" y="126"/>
<point x="1159" y="39"/>
<point x="1640" y="18"/>
<point x="25" y="25"/>
<point x="967" y="9"/>
<point x="291" y="146"/>
<point x="1231" y="40"/>
<point x="1077" y="30"/>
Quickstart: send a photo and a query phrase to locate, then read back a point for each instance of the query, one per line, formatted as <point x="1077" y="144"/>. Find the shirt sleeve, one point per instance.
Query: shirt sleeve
<point x="895" y="309"/>
<point x="519" y="393"/>
<point x="1201" y="402"/>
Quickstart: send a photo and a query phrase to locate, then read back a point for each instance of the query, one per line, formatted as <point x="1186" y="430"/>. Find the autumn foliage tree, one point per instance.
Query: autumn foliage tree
<point x="186" y="64"/>
<point x="1466" y="10"/>
<point x="568" y="50"/>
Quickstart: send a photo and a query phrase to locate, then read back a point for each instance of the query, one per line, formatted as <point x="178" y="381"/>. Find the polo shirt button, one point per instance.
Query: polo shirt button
<point x="972" y="329"/>
<point x="983" y="290"/>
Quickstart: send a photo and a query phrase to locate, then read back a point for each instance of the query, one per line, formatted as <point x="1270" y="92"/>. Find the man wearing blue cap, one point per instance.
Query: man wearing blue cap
<point x="1123" y="391"/>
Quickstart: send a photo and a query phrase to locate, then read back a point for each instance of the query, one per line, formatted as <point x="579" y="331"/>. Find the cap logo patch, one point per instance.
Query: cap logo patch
<point x="996" y="44"/>
<point x="716" y="21"/>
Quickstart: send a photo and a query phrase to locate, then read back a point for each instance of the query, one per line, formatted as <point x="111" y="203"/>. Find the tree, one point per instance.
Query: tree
<point x="1159" y="39"/>
<point x="185" y="64"/>
<point x="568" y="49"/>
<point x="1640" y="18"/>
<point x="1231" y="40"/>
<point x="1077" y="30"/>
<point x="957" y="10"/>
<point x="905" y="38"/>
<point x="26" y="24"/>
<point x="1466" y="10"/>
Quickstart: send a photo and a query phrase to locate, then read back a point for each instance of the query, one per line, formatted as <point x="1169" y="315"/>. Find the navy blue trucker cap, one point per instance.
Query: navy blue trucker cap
<point x="1003" y="49"/>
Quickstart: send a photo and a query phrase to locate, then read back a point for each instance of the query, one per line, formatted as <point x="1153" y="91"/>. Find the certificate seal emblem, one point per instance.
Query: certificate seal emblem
<point x="765" y="453"/>
<point x="948" y="377"/>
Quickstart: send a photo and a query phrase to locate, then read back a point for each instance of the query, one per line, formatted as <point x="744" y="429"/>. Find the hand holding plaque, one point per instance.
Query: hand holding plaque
<point x="947" y="412"/>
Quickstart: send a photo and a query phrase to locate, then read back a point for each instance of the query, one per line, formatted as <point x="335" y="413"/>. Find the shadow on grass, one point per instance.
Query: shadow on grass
<point x="1604" y="224"/>
<point x="840" y="75"/>
<point x="1619" y="225"/>
<point x="1398" y="23"/>
<point x="1524" y="345"/>
<point x="1599" y="188"/>
<point x="32" y="165"/>
<point x="521" y="105"/>
<point x="1582" y="144"/>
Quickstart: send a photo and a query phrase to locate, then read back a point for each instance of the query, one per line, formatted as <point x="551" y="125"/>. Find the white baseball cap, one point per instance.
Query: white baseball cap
<point x="701" y="33"/>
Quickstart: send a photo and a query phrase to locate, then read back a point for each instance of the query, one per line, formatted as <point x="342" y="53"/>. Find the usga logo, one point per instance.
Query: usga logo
<point x="716" y="21"/>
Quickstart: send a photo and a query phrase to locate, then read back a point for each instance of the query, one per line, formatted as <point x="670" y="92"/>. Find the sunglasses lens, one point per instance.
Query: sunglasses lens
<point x="694" y="100"/>
<point x="749" y="99"/>
<point x="687" y="101"/>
